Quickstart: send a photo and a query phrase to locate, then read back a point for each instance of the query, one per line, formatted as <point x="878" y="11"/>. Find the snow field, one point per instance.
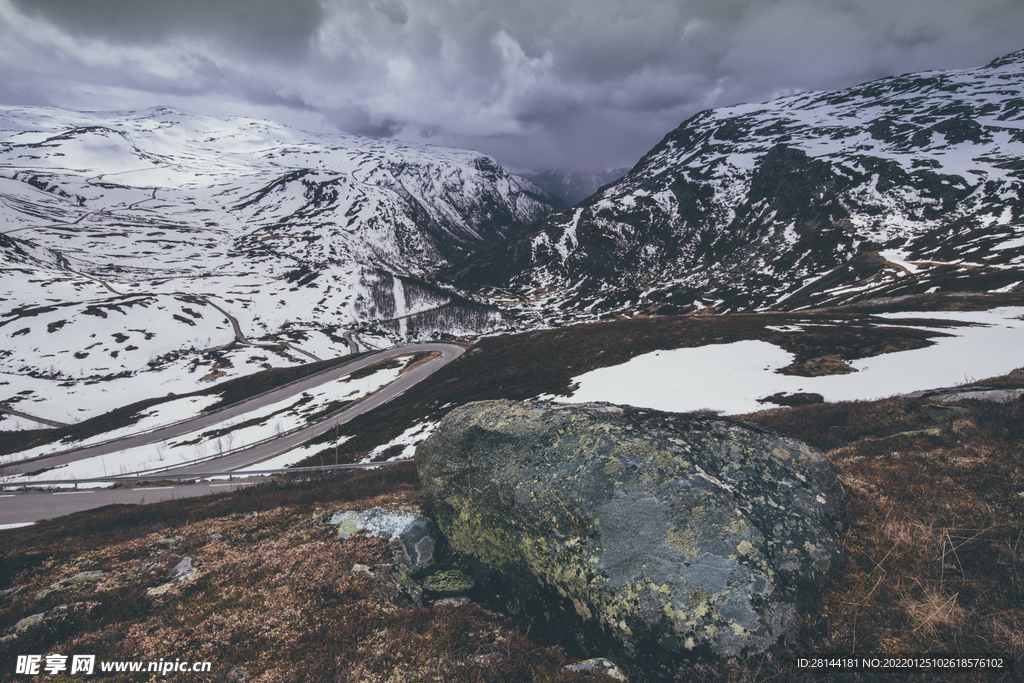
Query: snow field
<point x="731" y="377"/>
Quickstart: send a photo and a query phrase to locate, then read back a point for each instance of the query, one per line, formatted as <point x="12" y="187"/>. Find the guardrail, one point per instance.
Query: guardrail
<point x="143" y="432"/>
<point x="125" y="479"/>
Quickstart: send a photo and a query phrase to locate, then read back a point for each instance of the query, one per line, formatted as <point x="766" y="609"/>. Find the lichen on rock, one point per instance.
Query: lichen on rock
<point x="644" y="530"/>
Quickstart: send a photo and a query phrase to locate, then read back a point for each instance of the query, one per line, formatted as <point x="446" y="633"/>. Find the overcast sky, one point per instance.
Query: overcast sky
<point x="582" y="84"/>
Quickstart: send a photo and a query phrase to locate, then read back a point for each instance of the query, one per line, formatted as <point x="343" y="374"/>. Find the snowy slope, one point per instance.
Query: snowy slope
<point x="902" y="185"/>
<point x="128" y="238"/>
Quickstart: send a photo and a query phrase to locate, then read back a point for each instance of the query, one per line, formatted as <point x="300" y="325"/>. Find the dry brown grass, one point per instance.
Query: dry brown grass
<point x="936" y="541"/>
<point x="276" y="598"/>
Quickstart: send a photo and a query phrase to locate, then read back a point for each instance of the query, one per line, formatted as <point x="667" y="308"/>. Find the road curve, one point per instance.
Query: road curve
<point x="448" y="352"/>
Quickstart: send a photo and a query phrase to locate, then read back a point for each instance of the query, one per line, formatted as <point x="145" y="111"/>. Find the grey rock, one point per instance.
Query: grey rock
<point x="411" y="536"/>
<point x="13" y="592"/>
<point x="458" y="601"/>
<point x="182" y="572"/>
<point x="973" y="393"/>
<point x="166" y="543"/>
<point x="651" y="534"/>
<point x="598" y="665"/>
<point x="449" y="582"/>
<point x="392" y="584"/>
<point x="32" y="621"/>
<point x="77" y="583"/>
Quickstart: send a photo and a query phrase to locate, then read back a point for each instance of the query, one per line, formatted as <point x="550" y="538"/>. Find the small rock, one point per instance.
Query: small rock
<point x="411" y="536"/>
<point x="78" y="582"/>
<point x="459" y="601"/>
<point x="182" y="571"/>
<point x="13" y="592"/>
<point x="216" y="537"/>
<point x="596" y="666"/>
<point x="166" y="543"/>
<point x="34" y="620"/>
<point x="449" y="582"/>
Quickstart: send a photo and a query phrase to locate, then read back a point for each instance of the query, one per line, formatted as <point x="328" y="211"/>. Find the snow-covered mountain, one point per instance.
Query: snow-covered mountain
<point x="902" y="185"/>
<point x="129" y="238"/>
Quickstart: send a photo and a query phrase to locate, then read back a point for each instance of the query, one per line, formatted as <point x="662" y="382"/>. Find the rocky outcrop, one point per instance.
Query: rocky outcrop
<point x="410" y="536"/>
<point x="647" y="534"/>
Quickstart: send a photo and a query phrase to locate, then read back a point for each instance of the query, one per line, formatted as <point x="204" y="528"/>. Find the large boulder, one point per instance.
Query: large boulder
<point x="645" y="533"/>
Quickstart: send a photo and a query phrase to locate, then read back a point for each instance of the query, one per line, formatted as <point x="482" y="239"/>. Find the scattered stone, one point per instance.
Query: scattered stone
<point x="49" y="616"/>
<point x="410" y="535"/>
<point x="449" y="582"/>
<point x="217" y="536"/>
<point x="183" y="571"/>
<point x="459" y="601"/>
<point x="78" y="582"/>
<point x="166" y="543"/>
<point x="13" y="592"/>
<point x="973" y="393"/>
<point x="596" y="666"/>
<point x="646" y="534"/>
<point x="238" y="676"/>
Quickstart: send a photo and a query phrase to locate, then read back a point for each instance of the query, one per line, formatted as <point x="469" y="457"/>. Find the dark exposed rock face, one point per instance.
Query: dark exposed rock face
<point x="648" y="534"/>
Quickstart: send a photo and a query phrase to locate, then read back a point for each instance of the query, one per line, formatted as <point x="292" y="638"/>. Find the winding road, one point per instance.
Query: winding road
<point x="15" y="507"/>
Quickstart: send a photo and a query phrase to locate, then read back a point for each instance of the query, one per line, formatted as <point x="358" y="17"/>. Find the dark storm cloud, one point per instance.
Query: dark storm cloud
<point x="267" y="29"/>
<point x="570" y="83"/>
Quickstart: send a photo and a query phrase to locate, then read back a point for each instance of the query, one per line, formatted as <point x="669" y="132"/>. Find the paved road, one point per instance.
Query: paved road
<point x="29" y="506"/>
<point x="23" y="507"/>
<point x="449" y="352"/>
<point x="261" y="452"/>
<point x="32" y="418"/>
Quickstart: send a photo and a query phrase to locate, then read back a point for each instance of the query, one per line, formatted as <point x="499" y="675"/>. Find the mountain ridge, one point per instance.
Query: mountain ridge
<point x="745" y="207"/>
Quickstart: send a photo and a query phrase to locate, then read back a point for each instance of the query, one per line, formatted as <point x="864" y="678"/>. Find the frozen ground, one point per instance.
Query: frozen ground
<point x="731" y="377"/>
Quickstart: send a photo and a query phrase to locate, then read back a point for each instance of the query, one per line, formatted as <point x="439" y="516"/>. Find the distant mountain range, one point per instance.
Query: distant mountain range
<point x="158" y="244"/>
<point x="902" y="185"/>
